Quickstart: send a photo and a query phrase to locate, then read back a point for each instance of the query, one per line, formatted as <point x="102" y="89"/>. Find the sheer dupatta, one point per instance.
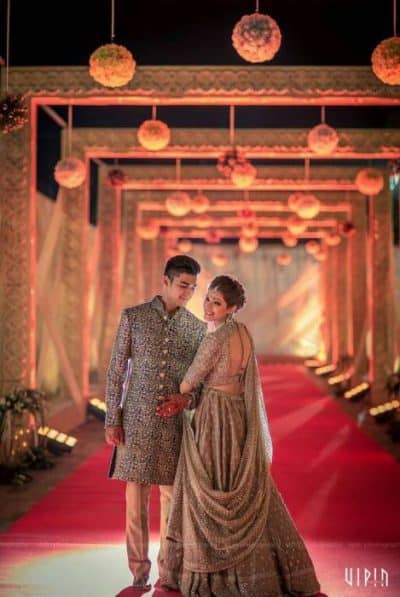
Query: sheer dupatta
<point x="219" y="529"/>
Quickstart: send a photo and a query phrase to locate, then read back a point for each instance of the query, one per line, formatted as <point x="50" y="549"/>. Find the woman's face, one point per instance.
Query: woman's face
<point x="215" y="307"/>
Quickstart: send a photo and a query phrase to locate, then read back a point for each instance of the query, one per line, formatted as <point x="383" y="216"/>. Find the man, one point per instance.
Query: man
<point x="161" y="338"/>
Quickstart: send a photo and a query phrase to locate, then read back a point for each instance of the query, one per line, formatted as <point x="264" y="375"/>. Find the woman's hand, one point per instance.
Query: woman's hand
<point x="115" y="435"/>
<point x="172" y="405"/>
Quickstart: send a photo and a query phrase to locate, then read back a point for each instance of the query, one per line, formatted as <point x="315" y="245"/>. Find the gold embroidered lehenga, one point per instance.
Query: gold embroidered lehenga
<point x="229" y="531"/>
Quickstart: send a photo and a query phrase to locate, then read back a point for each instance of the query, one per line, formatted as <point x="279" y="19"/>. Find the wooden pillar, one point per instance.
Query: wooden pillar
<point x="130" y="282"/>
<point x="18" y="258"/>
<point x="381" y="313"/>
<point x="109" y="222"/>
<point x="358" y="273"/>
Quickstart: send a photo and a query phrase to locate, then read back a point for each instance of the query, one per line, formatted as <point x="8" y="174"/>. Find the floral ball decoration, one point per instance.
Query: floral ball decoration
<point x="200" y="203"/>
<point x="289" y="239"/>
<point x="149" y="231"/>
<point x="243" y="175"/>
<point x="284" y="258"/>
<point x="203" y="221"/>
<point x="256" y="37"/>
<point x="296" y="225"/>
<point x="386" y="61"/>
<point x="228" y="160"/>
<point x="116" y="178"/>
<point x="219" y="259"/>
<point x="370" y="181"/>
<point x="322" y="139"/>
<point x="248" y="245"/>
<point x="213" y="237"/>
<point x="312" y="247"/>
<point x="178" y="203"/>
<point x="332" y="239"/>
<point x="70" y="172"/>
<point x="246" y="214"/>
<point x="321" y="254"/>
<point x="292" y="201"/>
<point x="307" y="206"/>
<point x="13" y="113"/>
<point x="185" y="245"/>
<point x="249" y="230"/>
<point x="347" y="229"/>
<point x="154" y="135"/>
<point x="112" y="65"/>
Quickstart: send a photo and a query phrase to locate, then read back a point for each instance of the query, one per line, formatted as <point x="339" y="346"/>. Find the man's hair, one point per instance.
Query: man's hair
<point x="181" y="264"/>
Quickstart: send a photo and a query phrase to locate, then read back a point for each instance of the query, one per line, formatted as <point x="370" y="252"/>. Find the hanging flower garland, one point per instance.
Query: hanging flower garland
<point x="213" y="237"/>
<point x="112" y="65"/>
<point x="243" y="175"/>
<point x="116" y="178"/>
<point x="347" y="229"/>
<point x="13" y="113"/>
<point x="228" y="160"/>
<point x="256" y="37"/>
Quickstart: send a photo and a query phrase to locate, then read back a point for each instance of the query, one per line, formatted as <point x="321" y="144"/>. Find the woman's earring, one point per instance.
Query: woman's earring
<point x="229" y="317"/>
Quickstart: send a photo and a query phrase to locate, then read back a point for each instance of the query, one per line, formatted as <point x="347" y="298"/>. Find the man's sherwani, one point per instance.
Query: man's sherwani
<point x="161" y="348"/>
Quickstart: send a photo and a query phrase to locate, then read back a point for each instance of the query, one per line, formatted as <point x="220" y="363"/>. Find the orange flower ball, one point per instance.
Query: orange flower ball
<point x="154" y="135"/>
<point x="200" y="203"/>
<point x="284" y="258"/>
<point x="248" y="245"/>
<point x="219" y="259"/>
<point x="249" y="230"/>
<point x="185" y="245"/>
<point x="112" y="65"/>
<point x="312" y="247"/>
<point x="307" y="206"/>
<point x="178" y="204"/>
<point x="70" y="172"/>
<point x="322" y="139"/>
<point x="289" y="239"/>
<point x="256" y="37"/>
<point x="370" y="181"/>
<point x="243" y="175"/>
<point x="148" y="231"/>
<point x="386" y="61"/>
<point x="296" y="225"/>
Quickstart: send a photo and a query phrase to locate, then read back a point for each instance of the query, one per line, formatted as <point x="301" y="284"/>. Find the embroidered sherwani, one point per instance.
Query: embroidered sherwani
<point x="161" y="348"/>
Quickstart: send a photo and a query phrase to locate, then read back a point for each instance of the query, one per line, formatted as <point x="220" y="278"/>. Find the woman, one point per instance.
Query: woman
<point x="229" y="532"/>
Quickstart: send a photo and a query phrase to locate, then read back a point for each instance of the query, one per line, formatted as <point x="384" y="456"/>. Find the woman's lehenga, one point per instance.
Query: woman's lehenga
<point x="229" y="531"/>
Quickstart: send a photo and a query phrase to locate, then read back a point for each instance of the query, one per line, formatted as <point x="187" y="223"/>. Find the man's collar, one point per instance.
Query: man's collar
<point x="158" y="305"/>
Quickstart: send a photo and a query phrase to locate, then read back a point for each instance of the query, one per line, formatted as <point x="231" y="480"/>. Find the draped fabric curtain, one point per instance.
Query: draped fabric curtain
<point x="283" y="311"/>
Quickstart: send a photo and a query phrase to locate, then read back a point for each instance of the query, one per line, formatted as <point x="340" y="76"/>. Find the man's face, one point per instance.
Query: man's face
<point x="179" y="290"/>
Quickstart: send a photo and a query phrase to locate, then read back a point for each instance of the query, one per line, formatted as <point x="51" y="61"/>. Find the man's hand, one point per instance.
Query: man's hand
<point x="173" y="404"/>
<point x="115" y="435"/>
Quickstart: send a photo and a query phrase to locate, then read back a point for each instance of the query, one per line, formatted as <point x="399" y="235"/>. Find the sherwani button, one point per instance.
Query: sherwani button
<point x="162" y="373"/>
<point x="160" y="387"/>
<point x="163" y="363"/>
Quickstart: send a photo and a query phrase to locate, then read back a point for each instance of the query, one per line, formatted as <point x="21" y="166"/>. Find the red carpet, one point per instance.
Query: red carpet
<point x="341" y="488"/>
